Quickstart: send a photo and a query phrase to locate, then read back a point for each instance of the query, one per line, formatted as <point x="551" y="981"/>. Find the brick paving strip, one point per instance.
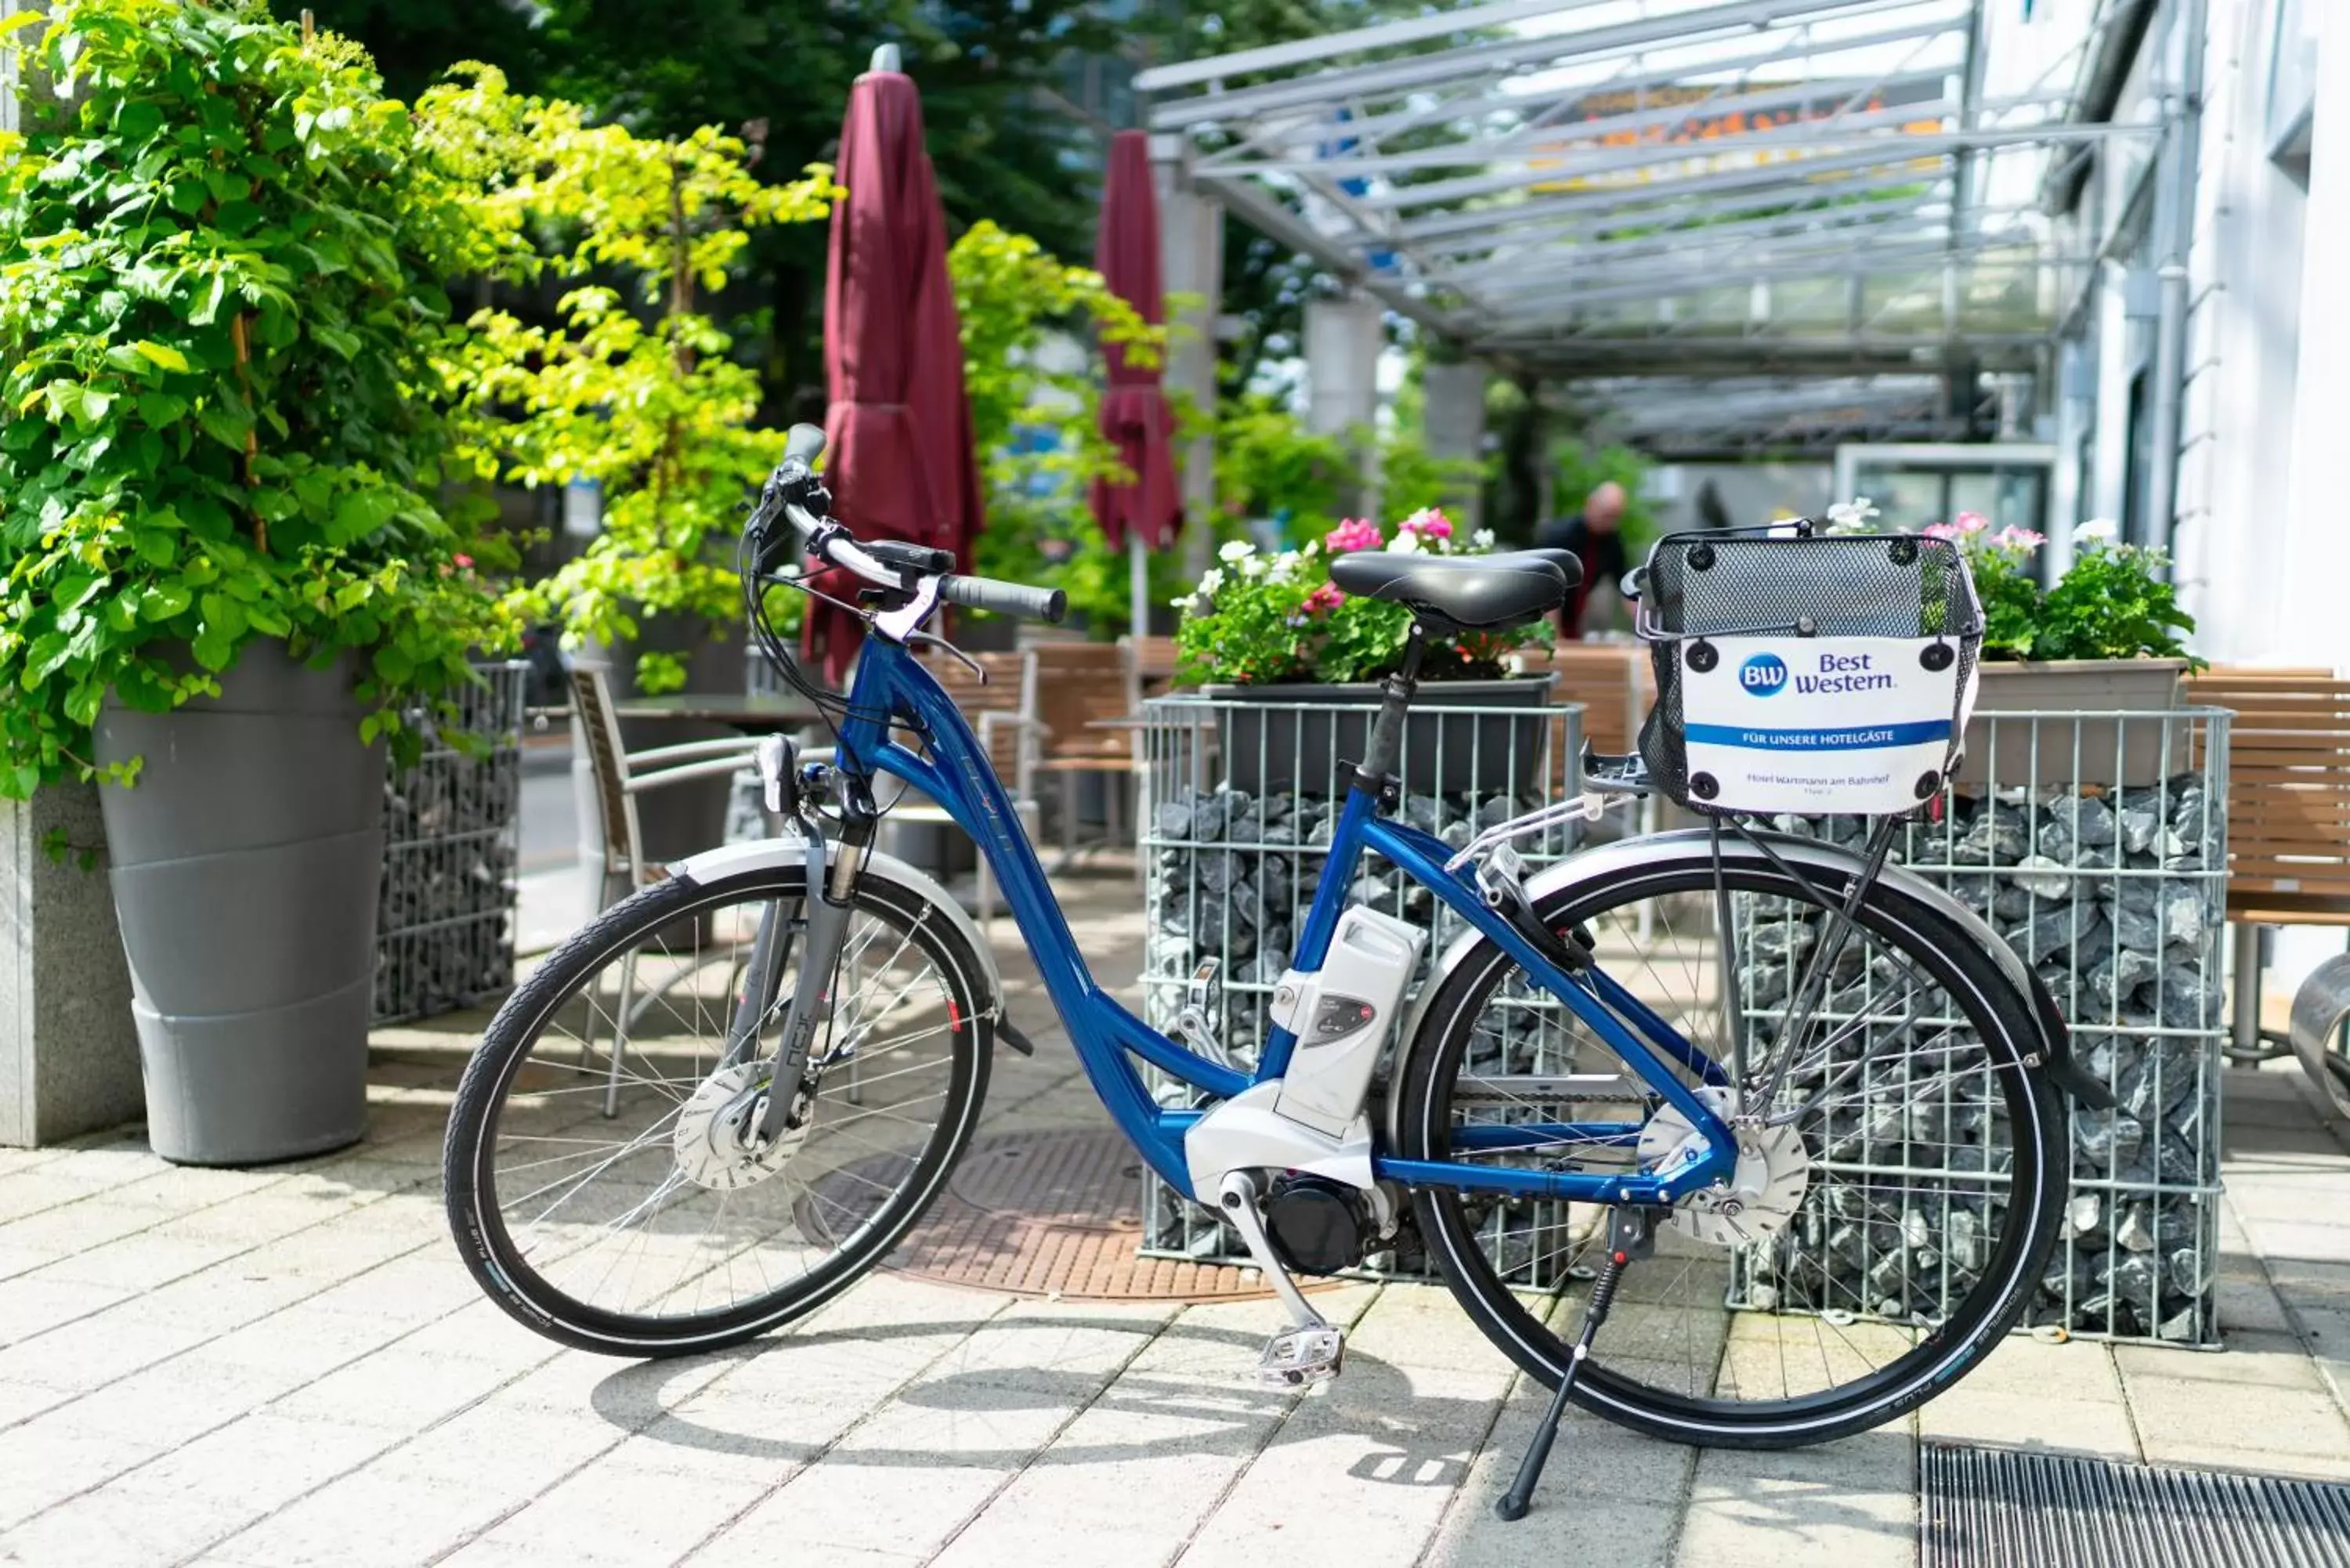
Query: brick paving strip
<point x="272" y="1368"/>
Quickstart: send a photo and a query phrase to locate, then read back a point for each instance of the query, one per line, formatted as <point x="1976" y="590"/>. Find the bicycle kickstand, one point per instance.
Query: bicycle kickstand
<point x="1629" y="1237"/>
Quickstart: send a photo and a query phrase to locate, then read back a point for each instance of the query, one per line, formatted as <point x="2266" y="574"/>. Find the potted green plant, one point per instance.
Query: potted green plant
<point x="224" y="574"/>
<point x="2103" y="640"/>
<point x="1295" y="664"/>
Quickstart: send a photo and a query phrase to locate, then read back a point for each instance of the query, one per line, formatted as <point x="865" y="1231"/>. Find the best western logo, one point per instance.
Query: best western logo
<point x="1764" y="674"/>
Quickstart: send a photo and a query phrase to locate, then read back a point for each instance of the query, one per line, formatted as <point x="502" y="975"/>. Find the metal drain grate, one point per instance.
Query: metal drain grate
<point x="1996" y="1507"/>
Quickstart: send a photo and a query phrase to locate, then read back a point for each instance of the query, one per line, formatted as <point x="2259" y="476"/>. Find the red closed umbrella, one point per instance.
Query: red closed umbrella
<point x="900" y="463"/>
<point x="1145" y="515"/>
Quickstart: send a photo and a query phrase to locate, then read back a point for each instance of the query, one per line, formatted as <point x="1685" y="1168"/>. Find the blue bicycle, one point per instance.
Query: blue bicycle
<point x="1695" y="1072"/>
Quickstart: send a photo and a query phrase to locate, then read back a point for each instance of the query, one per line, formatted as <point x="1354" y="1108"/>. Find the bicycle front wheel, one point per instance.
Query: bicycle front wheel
<point x="595" y="1188"/>
<point x="1910" y="1184"/>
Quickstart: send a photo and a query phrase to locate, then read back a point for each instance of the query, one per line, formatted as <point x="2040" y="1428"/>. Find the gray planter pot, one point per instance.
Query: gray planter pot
<point x="1460" y="734"/>
<point x="245" y="863"/>
<point x="2093" y="748"/>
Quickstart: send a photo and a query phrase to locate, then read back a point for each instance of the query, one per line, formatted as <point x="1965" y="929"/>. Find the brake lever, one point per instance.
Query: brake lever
<point x="932" y="639"/>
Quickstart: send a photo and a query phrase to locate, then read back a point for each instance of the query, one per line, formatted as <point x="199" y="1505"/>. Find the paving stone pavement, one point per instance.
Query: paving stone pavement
<point x="287" y="1367"/>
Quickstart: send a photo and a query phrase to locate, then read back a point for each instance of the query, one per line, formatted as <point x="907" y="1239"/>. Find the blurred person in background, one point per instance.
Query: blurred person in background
<point x="1595" y="536"/>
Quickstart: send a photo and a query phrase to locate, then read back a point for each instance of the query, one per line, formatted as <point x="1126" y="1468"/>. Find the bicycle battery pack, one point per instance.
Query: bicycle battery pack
<point x="1342" y="1016"/>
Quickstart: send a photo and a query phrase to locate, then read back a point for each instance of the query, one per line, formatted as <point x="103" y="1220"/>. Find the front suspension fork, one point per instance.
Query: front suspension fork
<point x="832" y="873"/>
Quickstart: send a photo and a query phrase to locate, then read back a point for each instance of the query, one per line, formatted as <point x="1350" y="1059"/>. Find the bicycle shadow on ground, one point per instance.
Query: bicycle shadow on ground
<point x="1186" y="1391"/>
<point x="1196" y="1380"/>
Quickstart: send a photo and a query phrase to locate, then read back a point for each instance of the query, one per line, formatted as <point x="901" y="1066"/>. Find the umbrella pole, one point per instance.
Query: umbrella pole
<point x="1138" y="561"/>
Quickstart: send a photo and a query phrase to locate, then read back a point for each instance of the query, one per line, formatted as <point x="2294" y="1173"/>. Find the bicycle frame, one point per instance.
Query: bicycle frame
<point x="958" y="776"/>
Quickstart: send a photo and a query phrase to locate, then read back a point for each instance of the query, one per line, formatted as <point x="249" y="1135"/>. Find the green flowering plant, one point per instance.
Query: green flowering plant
<point x="2115" y="600"/>
<point x="1259" y="619"/>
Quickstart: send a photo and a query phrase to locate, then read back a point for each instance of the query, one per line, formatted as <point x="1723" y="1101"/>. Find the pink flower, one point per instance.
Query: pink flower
<point x="2013" y="538"/>
<point x="1354" y="533"/>
<point x="1429" y="523"/>
<point x="465" y="563"/>
<point x="1970" y="523"/>
<point x="1325" y="599"/>
<point x="1940" y="531"/>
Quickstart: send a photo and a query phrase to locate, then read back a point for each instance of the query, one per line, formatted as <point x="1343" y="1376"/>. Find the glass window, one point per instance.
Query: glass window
<point x="2293" y="71"/>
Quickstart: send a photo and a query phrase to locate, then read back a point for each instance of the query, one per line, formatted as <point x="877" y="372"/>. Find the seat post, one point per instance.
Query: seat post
<point x="1378" y="763"/>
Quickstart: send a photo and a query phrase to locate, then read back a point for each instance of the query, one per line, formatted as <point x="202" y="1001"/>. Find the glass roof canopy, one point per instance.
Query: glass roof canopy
<point x="1708" y="188"/>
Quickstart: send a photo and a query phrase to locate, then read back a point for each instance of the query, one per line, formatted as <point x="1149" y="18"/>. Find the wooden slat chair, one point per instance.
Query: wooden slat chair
<point x="1615" y="684"/>
<point x="1081" y="695"/>
<point x="998" y="702"/>
<point x="1150" y="666"/>
<point x="2288" y="818"/>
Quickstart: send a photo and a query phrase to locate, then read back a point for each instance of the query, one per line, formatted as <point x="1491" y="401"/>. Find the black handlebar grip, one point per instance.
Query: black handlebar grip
<point x="1005" y="598"/>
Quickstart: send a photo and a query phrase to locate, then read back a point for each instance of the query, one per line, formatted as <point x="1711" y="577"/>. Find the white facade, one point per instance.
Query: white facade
<point x="2261" y="529"/>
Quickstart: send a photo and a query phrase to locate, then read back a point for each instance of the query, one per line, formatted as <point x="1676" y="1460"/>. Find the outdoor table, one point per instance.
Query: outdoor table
<point x="763" y="712"/>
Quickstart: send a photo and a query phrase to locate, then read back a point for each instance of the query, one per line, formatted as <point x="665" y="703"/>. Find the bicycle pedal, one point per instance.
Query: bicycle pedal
<point x="1296" y="1357"/>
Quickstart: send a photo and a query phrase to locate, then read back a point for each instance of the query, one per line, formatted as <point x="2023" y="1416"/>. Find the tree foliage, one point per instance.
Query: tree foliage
<point x="1030" y="326"/>
<point x="220" y="313"/>
<point x="650" y="407"/>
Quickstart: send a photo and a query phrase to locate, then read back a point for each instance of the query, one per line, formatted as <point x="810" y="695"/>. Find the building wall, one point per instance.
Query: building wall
<point x="2257" y="527"/>
<point x="2237" y="454"/>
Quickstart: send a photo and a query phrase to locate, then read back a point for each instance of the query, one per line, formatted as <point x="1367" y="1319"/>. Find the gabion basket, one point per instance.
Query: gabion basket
<point x="1230" y="872"/>
<point x="444" y="931"/>
<point x="2104" y="868"/>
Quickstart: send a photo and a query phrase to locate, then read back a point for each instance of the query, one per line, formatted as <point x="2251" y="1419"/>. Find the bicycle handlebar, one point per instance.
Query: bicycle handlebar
<point x="888" y="564"/>
<point x="1005" y="598"/>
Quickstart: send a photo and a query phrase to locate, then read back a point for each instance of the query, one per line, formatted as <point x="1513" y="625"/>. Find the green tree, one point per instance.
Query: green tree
<point x="221" y="317"/>
<point x="1030" y="325"/>
<point x="647" y="405"/>
<point x="778" y="75"/>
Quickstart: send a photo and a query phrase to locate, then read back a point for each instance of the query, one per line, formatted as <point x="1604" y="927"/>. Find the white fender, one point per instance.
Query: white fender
<point x="1695" y="846"/>
<point x="728" y="861"/>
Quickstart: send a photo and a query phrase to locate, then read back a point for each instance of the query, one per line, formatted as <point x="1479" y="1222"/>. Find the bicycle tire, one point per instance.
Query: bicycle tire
<point x="1948" y="953"/>
<point x="483" y="1242"/>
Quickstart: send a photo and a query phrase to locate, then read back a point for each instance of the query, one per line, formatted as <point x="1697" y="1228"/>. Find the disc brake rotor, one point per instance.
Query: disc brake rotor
<point x="711" y="1148"/>
<point x="1764" y="1191"/>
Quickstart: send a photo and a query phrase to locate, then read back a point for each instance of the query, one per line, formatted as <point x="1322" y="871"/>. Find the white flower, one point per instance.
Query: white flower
<point x="1282" y="568"/>
<point x="1483" y="538"/>
<point x="1236" y="550"/>
<point x="2100" y="528"/>
<point x="1852" y="515"/>
<point x="1251" y="567"/>
<point x="1210" y="580"/>
<point x="1405" y="543"/>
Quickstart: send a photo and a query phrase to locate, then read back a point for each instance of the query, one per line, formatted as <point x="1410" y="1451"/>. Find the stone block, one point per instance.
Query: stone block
<point x="68" y="1048"/>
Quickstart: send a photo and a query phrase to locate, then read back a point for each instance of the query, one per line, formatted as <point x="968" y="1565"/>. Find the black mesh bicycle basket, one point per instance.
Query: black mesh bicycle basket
<point x="1806" y="672"/>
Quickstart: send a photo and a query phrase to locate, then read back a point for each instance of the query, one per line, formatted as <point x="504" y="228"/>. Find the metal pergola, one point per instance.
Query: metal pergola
<point x="1680" y="189"/>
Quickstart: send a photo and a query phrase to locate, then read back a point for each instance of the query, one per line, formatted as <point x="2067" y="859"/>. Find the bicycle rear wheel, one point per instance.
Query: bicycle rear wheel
<point x="1917" y="1163"/>
<point x="590" y="1182"/>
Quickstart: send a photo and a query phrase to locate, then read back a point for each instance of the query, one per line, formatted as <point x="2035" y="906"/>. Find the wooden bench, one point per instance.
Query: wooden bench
<point x="2288" y="824"/>
<point x="1616" y="684"/>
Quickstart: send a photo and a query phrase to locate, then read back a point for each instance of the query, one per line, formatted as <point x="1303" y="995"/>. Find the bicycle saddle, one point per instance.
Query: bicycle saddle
<point x="1480" y="592"/>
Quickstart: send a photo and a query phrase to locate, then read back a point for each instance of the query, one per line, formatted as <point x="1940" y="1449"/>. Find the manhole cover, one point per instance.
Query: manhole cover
<point x="1056" y="1213"/>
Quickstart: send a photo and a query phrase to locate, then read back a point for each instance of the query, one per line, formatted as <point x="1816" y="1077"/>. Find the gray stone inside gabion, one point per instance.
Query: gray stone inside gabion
<point x="2105" y="894"/>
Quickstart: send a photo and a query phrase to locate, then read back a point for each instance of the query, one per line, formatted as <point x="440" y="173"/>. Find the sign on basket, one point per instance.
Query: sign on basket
<point x="1818" y="724"/>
